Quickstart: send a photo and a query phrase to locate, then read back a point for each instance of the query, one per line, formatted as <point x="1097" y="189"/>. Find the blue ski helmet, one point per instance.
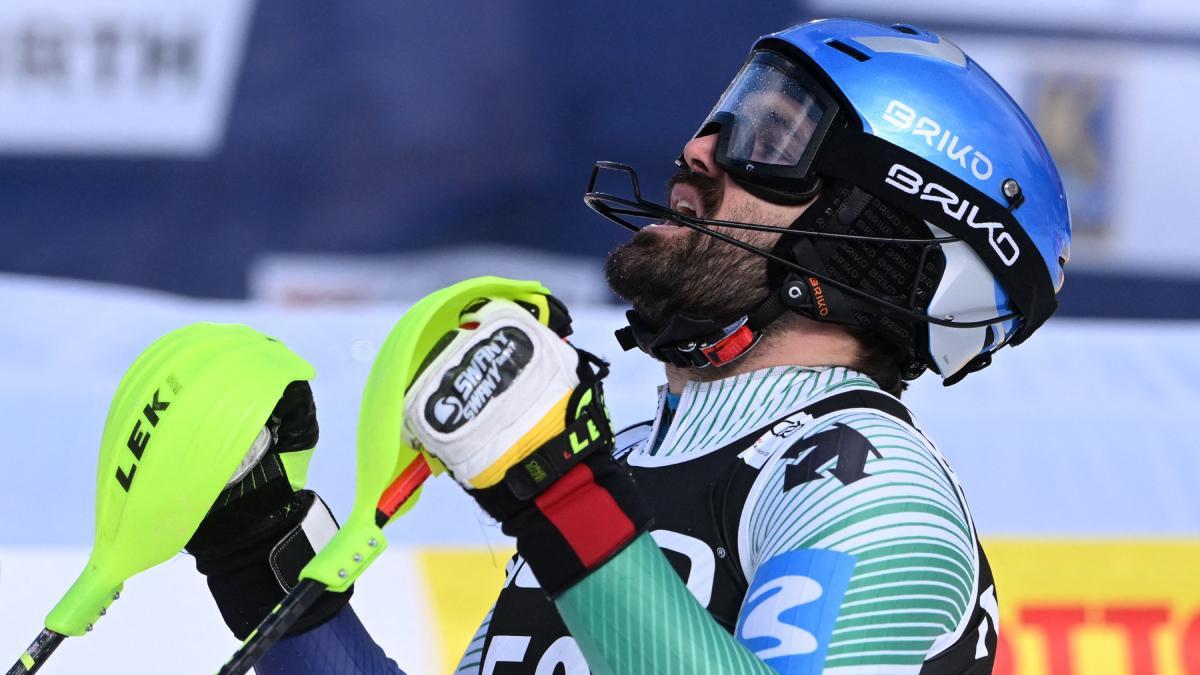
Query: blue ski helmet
<point x="938" y="217"/>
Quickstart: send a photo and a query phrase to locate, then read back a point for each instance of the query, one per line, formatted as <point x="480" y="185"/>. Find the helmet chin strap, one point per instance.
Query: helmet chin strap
<point x="693" y="342"/>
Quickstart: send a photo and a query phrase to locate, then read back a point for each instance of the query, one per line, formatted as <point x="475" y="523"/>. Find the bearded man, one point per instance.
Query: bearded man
<point x="863" y="203"/>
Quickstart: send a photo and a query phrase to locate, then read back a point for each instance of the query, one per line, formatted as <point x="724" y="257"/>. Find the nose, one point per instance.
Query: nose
<point x="700" y="155"/>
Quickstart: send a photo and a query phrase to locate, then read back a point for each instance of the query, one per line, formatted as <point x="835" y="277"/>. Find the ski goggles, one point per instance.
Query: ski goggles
<point x="770" y="124"/>
<point x="772" y="93"/>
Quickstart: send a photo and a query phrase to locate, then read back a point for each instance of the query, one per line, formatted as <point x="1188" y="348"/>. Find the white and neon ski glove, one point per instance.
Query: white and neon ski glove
<point x="494" y="395"/>
<point x="517" y="416"/>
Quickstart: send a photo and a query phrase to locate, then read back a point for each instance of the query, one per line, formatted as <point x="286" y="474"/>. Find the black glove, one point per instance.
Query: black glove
<point x="264" y="528"/>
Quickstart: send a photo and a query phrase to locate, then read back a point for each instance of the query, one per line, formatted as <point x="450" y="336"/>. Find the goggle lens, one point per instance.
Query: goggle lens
<point x="772" y="116"/>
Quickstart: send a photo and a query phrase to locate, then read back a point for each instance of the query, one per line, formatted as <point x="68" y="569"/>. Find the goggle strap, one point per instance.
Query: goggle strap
<point x="869" y="161"/>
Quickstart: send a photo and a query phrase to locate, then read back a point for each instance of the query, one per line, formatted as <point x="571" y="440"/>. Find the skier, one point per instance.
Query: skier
<point x="862" y="204"/>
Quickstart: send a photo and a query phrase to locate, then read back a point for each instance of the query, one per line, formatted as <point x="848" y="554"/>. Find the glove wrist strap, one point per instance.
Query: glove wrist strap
<point x="569" y="504"/>
<point x="247" y="581"/>
<point x="577" y="524"/>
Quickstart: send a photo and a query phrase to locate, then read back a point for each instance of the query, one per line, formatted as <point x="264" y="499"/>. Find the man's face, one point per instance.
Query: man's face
<point x="669" y="268"/>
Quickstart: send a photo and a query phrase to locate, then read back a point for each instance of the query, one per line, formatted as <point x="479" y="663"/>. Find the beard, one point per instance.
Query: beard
<point x="662" y="273"/>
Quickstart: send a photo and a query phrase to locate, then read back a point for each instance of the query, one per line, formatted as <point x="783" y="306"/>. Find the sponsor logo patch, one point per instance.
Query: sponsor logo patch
<point x="910" y="182"/>
<point x="485" y="371"/>
<point x="904" y="118"/>
<point x="790" y="609"/>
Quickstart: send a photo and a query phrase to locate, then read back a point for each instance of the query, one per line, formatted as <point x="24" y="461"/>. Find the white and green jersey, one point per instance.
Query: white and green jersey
<point x="813" y="526"/>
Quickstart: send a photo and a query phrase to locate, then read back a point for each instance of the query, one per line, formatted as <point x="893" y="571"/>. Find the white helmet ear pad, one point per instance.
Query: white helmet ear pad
<point x="966" y="292"/>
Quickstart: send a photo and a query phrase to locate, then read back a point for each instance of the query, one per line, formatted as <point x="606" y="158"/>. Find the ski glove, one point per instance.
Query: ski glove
<point x="265" y="527"/>
<point x="517" y="415"/>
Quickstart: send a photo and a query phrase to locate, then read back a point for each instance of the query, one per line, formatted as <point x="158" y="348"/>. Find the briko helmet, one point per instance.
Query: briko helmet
<point x="938" y="219"/>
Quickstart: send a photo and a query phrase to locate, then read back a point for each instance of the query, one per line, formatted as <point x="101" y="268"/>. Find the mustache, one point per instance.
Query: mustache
<point x="711" y="192"/>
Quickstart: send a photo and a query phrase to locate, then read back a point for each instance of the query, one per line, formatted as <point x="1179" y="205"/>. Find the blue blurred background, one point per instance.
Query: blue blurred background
<point x="367" y="129"/>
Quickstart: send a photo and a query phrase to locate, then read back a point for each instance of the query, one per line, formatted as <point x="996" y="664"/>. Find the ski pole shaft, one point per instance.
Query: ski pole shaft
<point x="402" y="489"/>
<point x="41" y="649"/>
<point x="298" y="601"/>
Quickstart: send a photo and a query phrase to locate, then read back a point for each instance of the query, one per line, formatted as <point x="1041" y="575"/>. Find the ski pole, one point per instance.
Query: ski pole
<point x="179" y="424"/>
<point x="41" y="649"/>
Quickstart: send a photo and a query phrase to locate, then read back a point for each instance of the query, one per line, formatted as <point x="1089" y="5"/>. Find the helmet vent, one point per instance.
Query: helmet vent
<point x="904" y="28"/>
<point x="847" y="50"/>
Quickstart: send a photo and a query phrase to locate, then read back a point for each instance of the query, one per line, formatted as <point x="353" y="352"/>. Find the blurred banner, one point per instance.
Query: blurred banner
<point x="1074" y="450"/>
<point x="118" y="77"/>
<point x="1103" y="607"/>
<point x="312" y="279"/>
<point x="190" y="145"/>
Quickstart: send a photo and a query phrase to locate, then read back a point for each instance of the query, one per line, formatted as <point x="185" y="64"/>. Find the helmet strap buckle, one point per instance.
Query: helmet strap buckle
<point x="738" y="340"/>
<point x="690" y="342"/>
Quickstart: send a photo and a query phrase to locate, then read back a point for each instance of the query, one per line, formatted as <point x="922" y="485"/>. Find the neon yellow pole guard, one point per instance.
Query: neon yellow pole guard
<point x="182" y="419"/>
<point x="382" y="452"/>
